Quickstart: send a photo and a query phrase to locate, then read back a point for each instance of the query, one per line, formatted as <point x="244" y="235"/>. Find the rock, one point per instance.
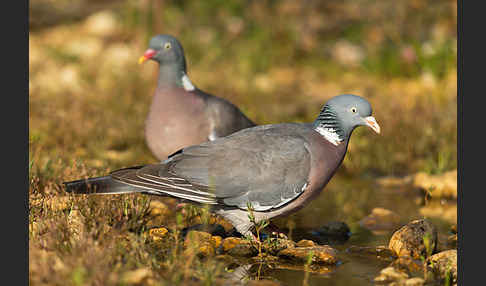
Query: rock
<point x="197" y="237"/>
<point x="238" y="247"/>
<point x="206" y="250"/>
<point x="390" y="274"/>
<point x="214" y="220"/>
<point x="264" y="282"/>
<point x="334" y="232"/>
<point x="158" y="213"/>
<point x="213" y="229"/>
<point x="407" y="265"/>
<point x="391" y="181"/>
<point x="158" y="234"/>
<point x="274" y="245"/>
<point x="216" y="241"/>
<point x="202" y="242"/>
<point x="452" y="241"/>
<point x="102" y="24"/>
<point x="305" y="243"/>
<point x="442" y="266"/>
<point x="320" y="254"/>
<point x="347" y="53"/>
<point x="334" y="228"/>
<point x="137" y="276"/>
<point x="381" y="219"/>
<point x="444" y="185"/>
<point x="417" y="238"/>
<point x="416" y="281"/>
<point x="446" y="211"/>
<point x="158" y="208"/>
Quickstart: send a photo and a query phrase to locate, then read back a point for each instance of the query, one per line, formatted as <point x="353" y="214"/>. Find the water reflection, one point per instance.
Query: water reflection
<point x="334" y="219"/>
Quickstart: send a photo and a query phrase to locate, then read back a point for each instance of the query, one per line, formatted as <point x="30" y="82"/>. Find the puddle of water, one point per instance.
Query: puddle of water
<point x="348" y="200"/>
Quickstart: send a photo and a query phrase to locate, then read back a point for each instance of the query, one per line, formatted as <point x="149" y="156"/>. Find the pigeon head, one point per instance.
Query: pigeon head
<point x="341" y="114"/>
<point x="166" y="50"/>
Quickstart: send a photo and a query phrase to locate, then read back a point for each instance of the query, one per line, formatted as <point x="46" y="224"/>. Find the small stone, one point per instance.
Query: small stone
<point x="101" y="24"/>
<point x="201" y="241"/>
<point x="416" y="281"/>
<point x="452" y="241"/>
<point x="320" y="254"/>
<point x="238" y="247"/>
<point x="214" y="220"/>
<point x="305" y="243"/>
<point x="158" y="234"/>
<point x="417" y="238"/>
<point x="216" y="241"/>
<point x="334" y="228"/>
<point x="334" y="232"/>
<point x="445" y="211"/>
<point x="442" y="266"/>
<point x="206" y="250"/>
<point x="137" y="276"/>
<point x="444" y="185"/>
<point x="389" y="182"/>
<point x="157" y="208"/>
<point x="158" y="213"/>
<point x="230" y="242"/>
<point x="381" y="219"/>
<point x="407" y="265"/>
<point x="390" y="274"/>
<point x="273" y="245"/>
<point x="194" y="237"/>
<point x="264" y="282"/>
<point x="347" y="54"/>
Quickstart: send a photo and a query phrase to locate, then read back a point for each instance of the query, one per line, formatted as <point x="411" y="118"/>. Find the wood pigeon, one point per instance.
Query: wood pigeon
<point x="276" y="169"/>
<point x="182" y="115"/>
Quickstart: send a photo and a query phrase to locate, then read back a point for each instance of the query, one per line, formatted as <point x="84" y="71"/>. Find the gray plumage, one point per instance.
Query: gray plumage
<point x="181" y="114"/>
<point x="276" y="168"/>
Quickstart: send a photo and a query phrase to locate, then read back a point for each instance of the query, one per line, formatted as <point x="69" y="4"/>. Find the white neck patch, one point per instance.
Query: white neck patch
<point x="329" y="134"/>
<point x="187" y="84"/>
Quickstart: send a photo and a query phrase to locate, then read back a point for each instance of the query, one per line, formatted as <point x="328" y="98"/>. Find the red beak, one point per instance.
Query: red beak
<point x="147" y="55"/>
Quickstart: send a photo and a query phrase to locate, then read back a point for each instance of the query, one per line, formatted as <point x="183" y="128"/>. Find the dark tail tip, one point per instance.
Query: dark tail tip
<point x="89" y="186"/>
<point x="99" y="185"/>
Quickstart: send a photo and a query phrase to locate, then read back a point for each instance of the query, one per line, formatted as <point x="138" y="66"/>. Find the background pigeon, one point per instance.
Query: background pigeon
<point x="181" y="114"/>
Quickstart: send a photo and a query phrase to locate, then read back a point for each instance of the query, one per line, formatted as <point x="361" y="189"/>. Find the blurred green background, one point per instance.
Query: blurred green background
<point x="279" y="61"/>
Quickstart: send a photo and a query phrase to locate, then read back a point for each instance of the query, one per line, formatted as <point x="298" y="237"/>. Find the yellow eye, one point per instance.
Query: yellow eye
<point x="354" y="110"/>
<point x="167" y="46"/>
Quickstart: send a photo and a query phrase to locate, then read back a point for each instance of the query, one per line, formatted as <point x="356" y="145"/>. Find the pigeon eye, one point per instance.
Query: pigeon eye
<point x="354" y="110"/>
<point x="167" y="46"/>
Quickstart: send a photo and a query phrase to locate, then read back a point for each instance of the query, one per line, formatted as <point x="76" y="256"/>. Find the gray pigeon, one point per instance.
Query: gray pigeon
<point x="182" y="115"/>
<point x="276" y="168"/>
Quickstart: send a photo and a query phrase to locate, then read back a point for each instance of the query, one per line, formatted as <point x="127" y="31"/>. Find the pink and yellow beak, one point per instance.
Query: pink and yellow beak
<point x="147" y="55"/>
<point x="371" y="122"/>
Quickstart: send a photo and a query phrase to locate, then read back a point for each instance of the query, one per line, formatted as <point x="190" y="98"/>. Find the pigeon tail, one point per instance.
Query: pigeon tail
<point x="99" y="185"/>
